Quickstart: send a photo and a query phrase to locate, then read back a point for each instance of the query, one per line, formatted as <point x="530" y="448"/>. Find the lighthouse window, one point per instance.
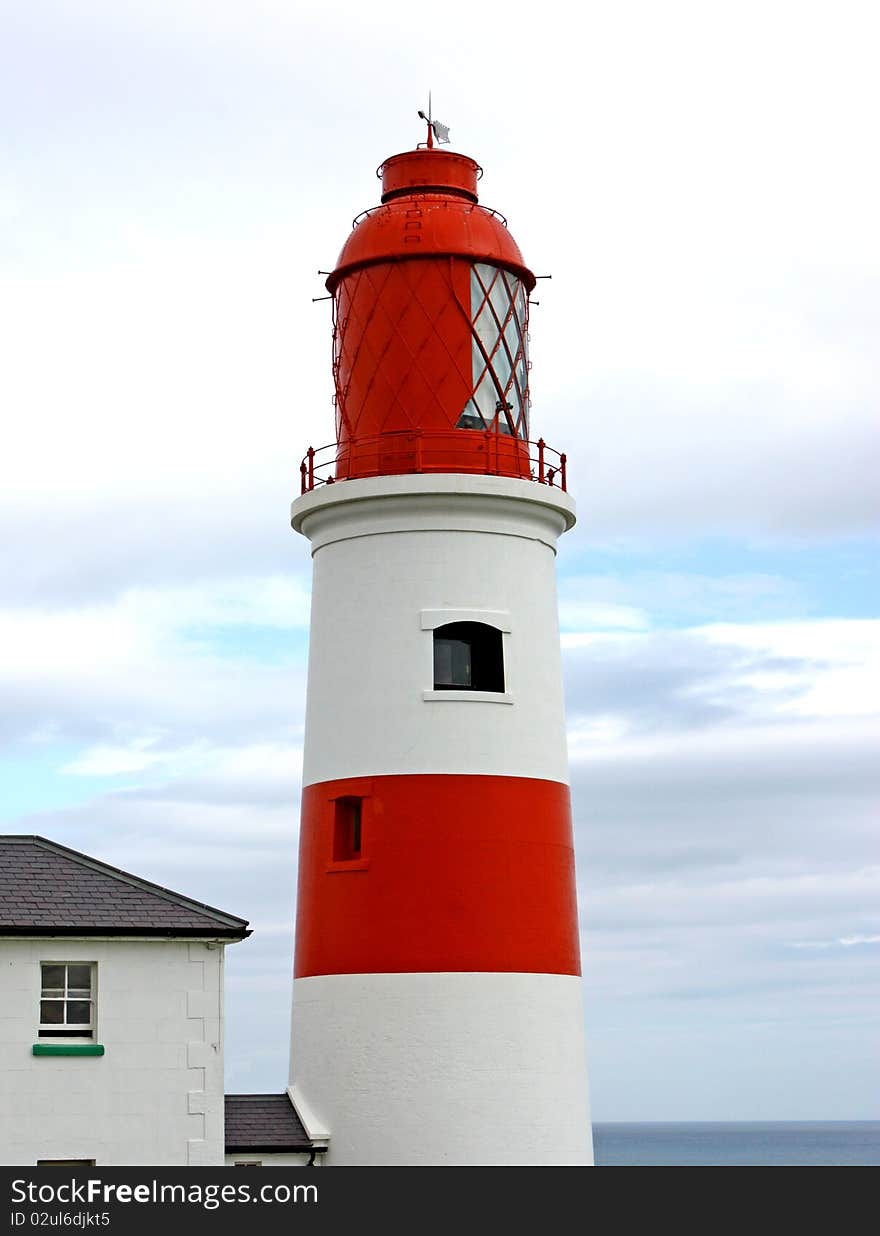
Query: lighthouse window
<point x="347" y="829"/>
<point x="499" y="330"/>
<point x="468" y="656"/>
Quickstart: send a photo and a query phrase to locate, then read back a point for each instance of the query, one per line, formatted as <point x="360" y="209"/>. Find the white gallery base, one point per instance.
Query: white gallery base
<point x="444" y="1069"/>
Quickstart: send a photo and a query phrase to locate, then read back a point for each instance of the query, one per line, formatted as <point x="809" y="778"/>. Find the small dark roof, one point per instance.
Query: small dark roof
<point x="47" y="888"/>
<point x="264" y="1122"/>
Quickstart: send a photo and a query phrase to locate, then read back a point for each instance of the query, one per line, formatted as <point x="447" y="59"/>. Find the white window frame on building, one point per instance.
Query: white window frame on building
<point x="70" y="995"/>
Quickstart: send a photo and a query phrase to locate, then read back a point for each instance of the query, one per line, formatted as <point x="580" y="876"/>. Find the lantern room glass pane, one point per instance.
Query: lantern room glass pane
<point x="499" y="305"/>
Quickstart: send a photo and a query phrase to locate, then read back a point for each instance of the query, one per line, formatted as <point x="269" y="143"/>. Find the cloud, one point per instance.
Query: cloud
<point x="110" y="761"/>
<point x="841" y="942"/>
<point x="150" y="669"/>
<point x="644" y="598"/>
<point x="674" y="679"/>
<point x="685" y="679"/>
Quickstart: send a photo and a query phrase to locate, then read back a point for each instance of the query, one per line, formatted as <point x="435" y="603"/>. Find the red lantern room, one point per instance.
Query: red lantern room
<point x="430" y="333"/>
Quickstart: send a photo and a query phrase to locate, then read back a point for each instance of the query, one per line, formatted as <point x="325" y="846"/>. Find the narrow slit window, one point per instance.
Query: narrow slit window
<point x="468" y="656"/>
<point x="347" y="829"/>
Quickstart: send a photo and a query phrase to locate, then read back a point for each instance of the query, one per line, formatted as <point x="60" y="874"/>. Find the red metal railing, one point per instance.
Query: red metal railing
<point x="414" y="451"/>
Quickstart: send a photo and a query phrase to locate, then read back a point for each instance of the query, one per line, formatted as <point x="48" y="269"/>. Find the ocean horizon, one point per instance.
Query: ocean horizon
<point x="775" y="1143"/>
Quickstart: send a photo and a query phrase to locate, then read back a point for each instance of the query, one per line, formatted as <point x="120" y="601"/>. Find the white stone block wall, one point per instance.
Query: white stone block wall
<point x="155" y="1098"/>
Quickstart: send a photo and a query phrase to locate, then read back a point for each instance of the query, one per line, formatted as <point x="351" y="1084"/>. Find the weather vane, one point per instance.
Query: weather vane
<point x="435" y="128"/>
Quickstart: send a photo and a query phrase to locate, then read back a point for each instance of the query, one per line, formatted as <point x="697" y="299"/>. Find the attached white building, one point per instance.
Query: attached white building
<point x="111" y="1014"/>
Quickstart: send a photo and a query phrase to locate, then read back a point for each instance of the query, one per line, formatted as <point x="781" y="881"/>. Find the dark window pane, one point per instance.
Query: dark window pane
<point x="452" y="663"/>
<point x="53" y="976"/>
<point x="461" y="662"/>
<point x="442" y="662"/>
<point x="79" y="977"/>
<point x="468" y="656"/>
<point x="51" y="1012"/>
<point x="347" y="829"/>
<point x="79" y="1013"/>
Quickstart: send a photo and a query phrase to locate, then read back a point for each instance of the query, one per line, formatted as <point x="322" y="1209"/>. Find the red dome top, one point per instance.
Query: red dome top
<point x="449" y="221"/>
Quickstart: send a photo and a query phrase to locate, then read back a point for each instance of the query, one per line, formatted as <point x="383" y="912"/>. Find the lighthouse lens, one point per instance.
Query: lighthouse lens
<point x="499" y="330"/>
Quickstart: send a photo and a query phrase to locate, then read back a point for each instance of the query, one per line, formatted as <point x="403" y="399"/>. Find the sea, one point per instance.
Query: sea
<point x="832" y="1143"/>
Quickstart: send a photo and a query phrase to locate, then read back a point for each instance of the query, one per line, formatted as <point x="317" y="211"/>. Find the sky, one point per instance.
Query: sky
<point x="701" y="182"/>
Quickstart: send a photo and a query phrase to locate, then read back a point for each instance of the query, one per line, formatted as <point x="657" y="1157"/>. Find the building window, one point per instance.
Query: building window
<point x="347" y="822"/>
<point x="67" y="1000"/>
<point x="468" y="656"/>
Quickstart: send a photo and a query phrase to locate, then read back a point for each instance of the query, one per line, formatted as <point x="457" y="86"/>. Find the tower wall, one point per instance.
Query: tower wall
<point x="444" y="1069"/>
<point x="437" y="1001"/>
<point x="391" y="556"/>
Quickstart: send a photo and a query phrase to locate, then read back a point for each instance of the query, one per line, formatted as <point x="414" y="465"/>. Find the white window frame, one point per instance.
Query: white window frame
<point x="64" y="1030"/>
<point x="500" y="619"/>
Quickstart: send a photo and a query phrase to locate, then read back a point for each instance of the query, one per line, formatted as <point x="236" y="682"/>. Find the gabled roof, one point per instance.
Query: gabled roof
<point x="264" y="1122"/>
<point x="45" y="888"/>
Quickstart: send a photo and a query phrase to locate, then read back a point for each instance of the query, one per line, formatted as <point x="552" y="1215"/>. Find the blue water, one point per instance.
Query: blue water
<point x="773" y="1144"/>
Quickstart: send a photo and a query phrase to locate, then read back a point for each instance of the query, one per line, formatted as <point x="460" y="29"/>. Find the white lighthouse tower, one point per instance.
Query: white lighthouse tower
<point x="437" y="1005"/>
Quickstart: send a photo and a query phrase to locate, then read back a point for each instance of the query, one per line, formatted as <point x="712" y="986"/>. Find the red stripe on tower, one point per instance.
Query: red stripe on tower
<point x="436" y="872"/>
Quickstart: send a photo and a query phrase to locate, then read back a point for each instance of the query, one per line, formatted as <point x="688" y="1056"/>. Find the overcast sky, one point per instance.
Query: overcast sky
<point x="701" y="181"/>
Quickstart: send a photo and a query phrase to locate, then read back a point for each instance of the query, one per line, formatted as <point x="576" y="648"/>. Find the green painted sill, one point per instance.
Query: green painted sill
<point x="68" y="1049"/>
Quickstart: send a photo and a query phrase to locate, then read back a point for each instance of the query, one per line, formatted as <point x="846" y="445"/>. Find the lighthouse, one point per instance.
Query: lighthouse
<point x="437" y="996"/>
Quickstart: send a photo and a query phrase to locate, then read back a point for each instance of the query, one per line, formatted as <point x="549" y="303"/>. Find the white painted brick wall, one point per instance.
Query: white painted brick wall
<point x="155" y="1098"/>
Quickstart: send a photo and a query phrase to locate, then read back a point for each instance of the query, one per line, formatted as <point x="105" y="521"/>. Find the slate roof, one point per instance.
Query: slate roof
<point x="47" y="888"/>
<point x="264" y="1122"/>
